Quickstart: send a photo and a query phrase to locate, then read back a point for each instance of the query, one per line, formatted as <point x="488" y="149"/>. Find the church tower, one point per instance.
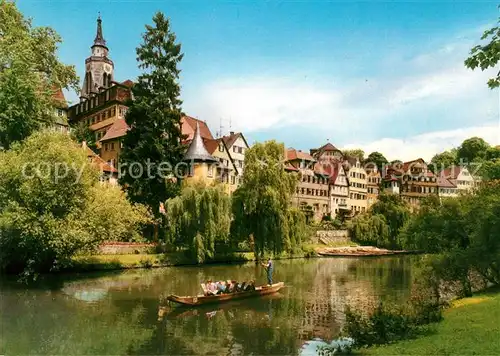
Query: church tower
<point x="98" y="67"/>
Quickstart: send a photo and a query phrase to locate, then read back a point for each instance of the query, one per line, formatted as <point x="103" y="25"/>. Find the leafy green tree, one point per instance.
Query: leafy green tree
<point x="154" y="118"/>
<point x="82" y="132"/>
<point x="357" y="152"/>
<point x="396" y="213"/>
<point x="443" y="160"/>
<point x="487" y="55"/>
<point x="52" y="206"/>
<point x="29" y="70"/>
<point x="199" y="220"/>
<point x="370" y="229"/>
<point x="472" y="149"/>
<point x="377" y="158"/>
<point x="262" y="203"/>
<point x="493" y="153"/>
<point x="490" y="169"/>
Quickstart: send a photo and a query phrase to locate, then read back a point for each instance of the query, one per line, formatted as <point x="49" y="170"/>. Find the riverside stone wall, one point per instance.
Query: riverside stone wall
<point x="331" y="237"/>
<point x="125" y="248"/>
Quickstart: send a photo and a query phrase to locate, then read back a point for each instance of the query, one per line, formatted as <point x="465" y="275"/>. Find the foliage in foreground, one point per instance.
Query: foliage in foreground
<point x="261" y="205"/>
<point x="464" y="233"/>
<point x="388" y="323"/>
<point x="47" y="218"/>
<point x="30" y="72"/>
<point x="199" y="220"/>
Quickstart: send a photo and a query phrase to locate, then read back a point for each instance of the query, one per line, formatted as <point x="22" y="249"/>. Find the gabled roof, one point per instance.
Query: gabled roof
<point x="451" y="172"/>
<point x="98" y="162"/>
<point x="59" y="98"/>
<point x="445" y="183"/>
<point x="292" y="154"/>
<point x="328" y="147"/>
<point x="117" y="130"/>
<point x="128" y="83"/>
<point x="188" y="125"/>
<point x="230" y="139"/>
<point x="415" y="163"/>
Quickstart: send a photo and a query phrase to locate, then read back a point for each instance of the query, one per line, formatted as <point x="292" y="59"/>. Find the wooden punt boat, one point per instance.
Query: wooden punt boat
<point x="208" y="299"/>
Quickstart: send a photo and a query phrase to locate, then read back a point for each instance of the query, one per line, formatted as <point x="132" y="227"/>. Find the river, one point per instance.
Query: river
<point x="118" y="313"/>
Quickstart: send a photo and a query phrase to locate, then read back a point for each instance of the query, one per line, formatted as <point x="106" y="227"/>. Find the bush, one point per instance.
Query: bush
<point x="342" y="346"/>
<point x="47" y="218"/>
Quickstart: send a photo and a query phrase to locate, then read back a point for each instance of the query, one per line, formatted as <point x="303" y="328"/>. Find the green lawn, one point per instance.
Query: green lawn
<point x="470" y="327"/>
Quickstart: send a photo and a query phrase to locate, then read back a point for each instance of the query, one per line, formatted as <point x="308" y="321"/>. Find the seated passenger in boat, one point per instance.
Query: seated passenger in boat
<point x="241" y="286"/>
<point x="221" y="287"/>
<point x="250" y="286"/>
<point x="211" y="287"/>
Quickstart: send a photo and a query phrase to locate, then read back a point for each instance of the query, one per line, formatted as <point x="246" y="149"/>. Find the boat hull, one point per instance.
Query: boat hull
<point x="203" y="299"/>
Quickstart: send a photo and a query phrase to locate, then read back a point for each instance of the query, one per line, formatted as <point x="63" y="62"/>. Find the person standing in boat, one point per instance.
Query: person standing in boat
<point x="269" y="268"/>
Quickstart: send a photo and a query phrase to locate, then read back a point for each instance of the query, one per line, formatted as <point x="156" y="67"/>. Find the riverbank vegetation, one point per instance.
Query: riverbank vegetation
<point x="51" y="212"/>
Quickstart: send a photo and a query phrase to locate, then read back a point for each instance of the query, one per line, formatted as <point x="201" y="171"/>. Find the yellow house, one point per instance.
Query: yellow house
<point x="202" y="166"/>
<point x="226" y="171"/>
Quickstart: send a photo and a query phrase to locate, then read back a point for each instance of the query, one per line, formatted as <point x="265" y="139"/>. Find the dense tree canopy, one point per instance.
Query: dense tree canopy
<point x="443" y="160"/>
<point x="199" y="220"/>
<point x="487" y="55"/>
<point x="30" y="72"/>
<point x="52" y="205"/>
<point x="472" y="149"/>
<point x="154" y="139"/>
<point x="82" y="132"/>
<point x="261" y="205"/>
<point x="357" y="152"/>
<point x="377" y="158"/>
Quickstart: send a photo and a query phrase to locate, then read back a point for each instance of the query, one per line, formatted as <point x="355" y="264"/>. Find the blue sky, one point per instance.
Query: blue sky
<point x="381" y="75"/>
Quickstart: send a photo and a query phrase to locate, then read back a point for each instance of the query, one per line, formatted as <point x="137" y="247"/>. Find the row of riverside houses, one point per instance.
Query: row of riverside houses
<point x="103" y="106"/>
<point x="331" y="184"/>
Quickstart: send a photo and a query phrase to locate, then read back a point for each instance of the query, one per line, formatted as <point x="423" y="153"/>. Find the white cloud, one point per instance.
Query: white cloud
<point x="431" y="92"/>
<point x="427" y="145"/>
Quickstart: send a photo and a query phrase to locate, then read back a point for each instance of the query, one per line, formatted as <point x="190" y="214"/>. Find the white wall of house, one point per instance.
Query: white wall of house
<point x="339" y="194"/>
<point x="237" y="152"/>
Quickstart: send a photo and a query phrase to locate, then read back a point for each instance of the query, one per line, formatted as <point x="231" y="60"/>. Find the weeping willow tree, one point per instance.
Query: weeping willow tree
<point x="198" y="220"/>
<point x="262" y="204"/>
<point x="371" y="230"/>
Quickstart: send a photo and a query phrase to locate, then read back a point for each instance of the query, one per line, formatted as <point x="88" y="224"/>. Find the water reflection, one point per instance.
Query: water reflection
<point x="125" y="313"/>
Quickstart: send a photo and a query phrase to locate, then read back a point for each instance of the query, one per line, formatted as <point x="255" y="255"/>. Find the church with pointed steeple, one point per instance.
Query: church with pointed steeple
<point x="99" y="67"/>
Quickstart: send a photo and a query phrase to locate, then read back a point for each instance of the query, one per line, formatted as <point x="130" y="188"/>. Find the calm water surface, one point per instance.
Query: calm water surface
<point x="118" y="313"/>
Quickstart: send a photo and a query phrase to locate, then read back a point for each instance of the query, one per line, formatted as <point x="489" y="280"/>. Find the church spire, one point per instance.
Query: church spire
<point x="99" y="39"/>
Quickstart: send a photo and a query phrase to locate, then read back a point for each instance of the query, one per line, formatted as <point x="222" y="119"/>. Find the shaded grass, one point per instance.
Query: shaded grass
<point x="470" y="327"/>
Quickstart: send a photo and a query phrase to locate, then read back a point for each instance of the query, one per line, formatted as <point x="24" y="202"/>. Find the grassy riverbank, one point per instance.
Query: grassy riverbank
<point x="128" y="261"/>
<point x="470" y="327"/>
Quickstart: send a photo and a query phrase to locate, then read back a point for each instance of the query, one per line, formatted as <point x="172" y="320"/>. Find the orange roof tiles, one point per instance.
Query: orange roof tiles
<point x="98" y="162"/>
<point x="188" y="125"/>
<point x="445" y="183"/>
<point x="118" y="129"/>
<point x="292" y="154"/>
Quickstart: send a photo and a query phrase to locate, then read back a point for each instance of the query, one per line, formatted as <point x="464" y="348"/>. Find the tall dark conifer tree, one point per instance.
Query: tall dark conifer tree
<point x="154" y="118"/>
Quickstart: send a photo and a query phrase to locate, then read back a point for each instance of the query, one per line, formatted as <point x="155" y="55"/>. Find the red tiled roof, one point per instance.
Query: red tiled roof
<point x="415" y="163"/>
<point x="450" y="172"/>
<point x="118" y="129"/>
<point x="445" y="183"/>
<point x="292" y="154"/>
<point x="98" y="162"/>
<point x="58" y="96"/>
<point x="188" y="125"/>
<point x="128" y="83"/>
<point x="289" y="167"/>
<point x="211" y="145"/>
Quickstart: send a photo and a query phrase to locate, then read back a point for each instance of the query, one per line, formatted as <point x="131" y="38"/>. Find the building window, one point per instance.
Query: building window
<point x="233" y="180"/>
<point x="221" y="147"/>
<point x="210" y="170"/>
<point x="235" y="149"/>
<point x="113" y="111"/>
<point x="60" y="112"/>
<point x="105" y="147"/>
<point x="112" y="146"/>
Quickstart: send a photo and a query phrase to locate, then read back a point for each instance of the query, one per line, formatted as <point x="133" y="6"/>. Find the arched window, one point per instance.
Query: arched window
<point x="88" y="81"/>
<point x="105" y="80"/>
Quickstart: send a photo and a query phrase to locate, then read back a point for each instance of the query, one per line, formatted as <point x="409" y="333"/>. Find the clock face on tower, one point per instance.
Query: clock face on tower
<point x="107" y="68"/>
